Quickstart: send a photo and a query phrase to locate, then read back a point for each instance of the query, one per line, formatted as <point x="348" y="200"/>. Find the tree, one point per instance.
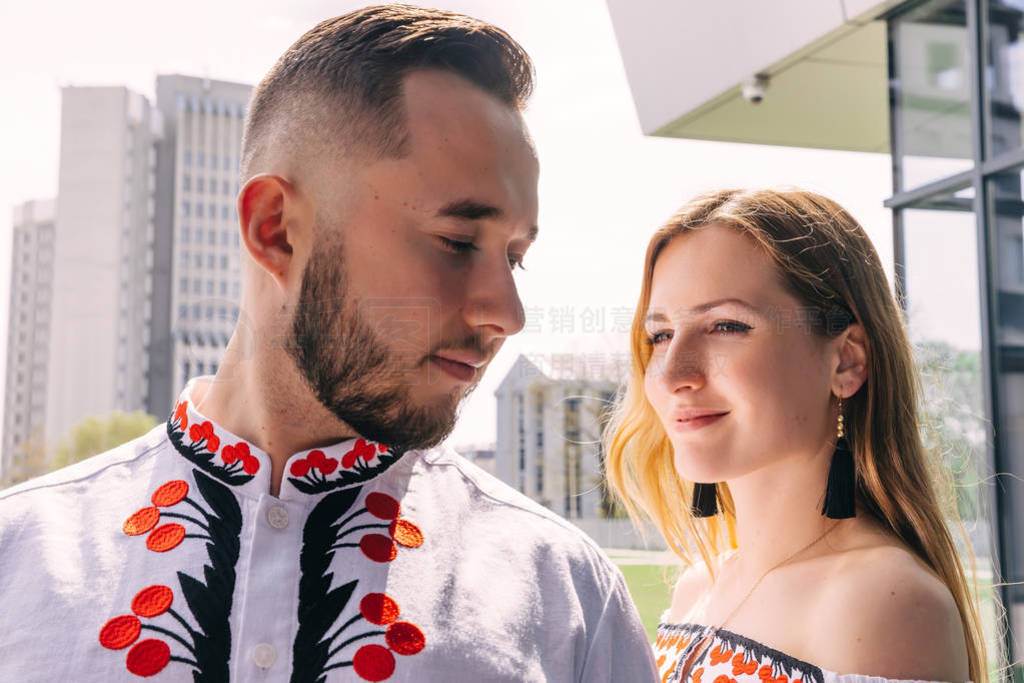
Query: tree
<point x="94" y="435"/>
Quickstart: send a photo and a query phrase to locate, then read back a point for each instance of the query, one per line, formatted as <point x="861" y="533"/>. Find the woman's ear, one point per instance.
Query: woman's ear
<point x="852" y="368"/>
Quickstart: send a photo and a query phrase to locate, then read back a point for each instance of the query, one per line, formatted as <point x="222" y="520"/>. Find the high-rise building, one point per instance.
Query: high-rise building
<point x="551" y="412"/>
<point x="196" y="266"/>
<point x="28" y="327"/>
<point x="102" y="255"/>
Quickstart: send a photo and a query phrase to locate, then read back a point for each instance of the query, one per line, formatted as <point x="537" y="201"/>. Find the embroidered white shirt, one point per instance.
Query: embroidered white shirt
<point x="167" y="557"/>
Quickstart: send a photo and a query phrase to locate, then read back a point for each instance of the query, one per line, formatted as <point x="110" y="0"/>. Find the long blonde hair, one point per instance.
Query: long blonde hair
<point x="828" y="263"/>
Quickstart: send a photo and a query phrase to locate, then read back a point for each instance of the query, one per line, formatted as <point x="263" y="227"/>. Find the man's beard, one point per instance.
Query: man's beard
<point x="353" y="372"/>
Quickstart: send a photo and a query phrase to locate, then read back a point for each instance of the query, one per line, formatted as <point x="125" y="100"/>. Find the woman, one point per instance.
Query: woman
<point x="771" y="425"/>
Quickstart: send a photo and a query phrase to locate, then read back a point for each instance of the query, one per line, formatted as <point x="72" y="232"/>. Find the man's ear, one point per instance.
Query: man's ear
<point x="273" y="219"/>
<point x="852" y="369"/>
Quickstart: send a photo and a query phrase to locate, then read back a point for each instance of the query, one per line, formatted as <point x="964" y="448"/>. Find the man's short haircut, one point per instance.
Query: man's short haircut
<point x="341" y="82"/>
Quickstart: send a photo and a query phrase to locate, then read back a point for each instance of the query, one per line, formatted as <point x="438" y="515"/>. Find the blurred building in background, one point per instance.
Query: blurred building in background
<point x="939" y="85"/>
<point x="28" y="327"/>
<point x="128" y="284"/>
<point x="196" y="265"/>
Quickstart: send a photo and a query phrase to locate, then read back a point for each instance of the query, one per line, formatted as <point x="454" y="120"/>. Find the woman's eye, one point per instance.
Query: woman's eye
<point x="730" y="327"/>
<point x="456" y="246"/>
<point x="658" y="338"/>
<point x="516" y="262"/>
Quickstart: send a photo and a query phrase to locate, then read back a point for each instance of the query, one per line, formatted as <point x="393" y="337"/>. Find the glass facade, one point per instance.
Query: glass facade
<point x="957" y="93"/>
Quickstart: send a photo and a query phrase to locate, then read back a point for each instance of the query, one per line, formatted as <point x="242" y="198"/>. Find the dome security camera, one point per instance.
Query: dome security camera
<point x="754" y="88"/>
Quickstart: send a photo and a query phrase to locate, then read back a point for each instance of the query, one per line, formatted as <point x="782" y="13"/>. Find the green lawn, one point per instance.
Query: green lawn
<point x="651" y="590"/>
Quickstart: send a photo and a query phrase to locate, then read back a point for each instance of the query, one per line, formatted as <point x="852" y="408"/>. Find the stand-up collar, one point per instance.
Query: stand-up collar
<point x="237" y="462"/>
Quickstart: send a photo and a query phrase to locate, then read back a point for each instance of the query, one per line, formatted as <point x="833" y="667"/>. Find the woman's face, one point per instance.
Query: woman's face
<point x="737" y="377"/>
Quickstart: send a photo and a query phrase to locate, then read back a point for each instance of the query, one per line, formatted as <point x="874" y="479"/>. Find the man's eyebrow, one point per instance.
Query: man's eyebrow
<point x="659" y="317"/>
<point x="472" y="210"/>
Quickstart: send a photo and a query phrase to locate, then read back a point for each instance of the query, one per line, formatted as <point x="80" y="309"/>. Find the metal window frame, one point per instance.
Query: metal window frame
<point x="983" y="168"/>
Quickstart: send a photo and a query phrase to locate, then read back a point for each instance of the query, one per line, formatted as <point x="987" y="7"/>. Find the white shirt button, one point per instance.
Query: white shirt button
<point x="277" y="517"/>
<point x="264" y="655"/>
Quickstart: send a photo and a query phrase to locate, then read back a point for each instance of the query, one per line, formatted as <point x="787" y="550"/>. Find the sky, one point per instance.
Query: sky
<point x="604" y="187"/>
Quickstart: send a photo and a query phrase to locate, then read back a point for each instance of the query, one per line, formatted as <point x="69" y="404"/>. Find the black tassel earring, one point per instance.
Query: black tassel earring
<point x="705" y="500"/>
<point x="842" y="478"/>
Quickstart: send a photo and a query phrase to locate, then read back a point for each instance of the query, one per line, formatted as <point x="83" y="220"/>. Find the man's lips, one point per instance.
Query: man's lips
<point x="463" y="366"/>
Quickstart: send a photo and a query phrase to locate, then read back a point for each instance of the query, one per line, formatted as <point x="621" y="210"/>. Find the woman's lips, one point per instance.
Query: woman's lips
<point x="692" y="421"/>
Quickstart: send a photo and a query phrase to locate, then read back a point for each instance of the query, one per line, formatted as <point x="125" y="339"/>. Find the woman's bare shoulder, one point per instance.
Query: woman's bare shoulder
<point x="694" y="581"/>
<point x="889" y="615"/>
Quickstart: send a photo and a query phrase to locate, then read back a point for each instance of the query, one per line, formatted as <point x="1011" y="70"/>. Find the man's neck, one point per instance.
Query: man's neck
<point x="273" y="410"/>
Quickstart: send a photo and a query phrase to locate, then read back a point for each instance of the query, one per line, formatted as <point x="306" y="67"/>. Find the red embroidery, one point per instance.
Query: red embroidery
<point x="373" y="663"/>
<point x="364" y="449"/>
<point x="181" y="415"/>
<point x="718" y="655"/>
<point x="406" y="533"/>
<point x="724" y="679"/>
<point x="171" y="493"/>
<point x="198" y="432"/>
<point x="405" y="638"/>
<point x="741" y="666"/>
<point x="141" y="521"/>
<point x="383" y="506"/>
<point x="149" y="657"/>
<point x="697" y="675"/>
<point x="120" y="632"/>
<point x="378" y="547"/>
<point x="152" y="601"/>
<point x="378" y="608"/>
<point x="240" y="453"/>
<point x="165" y="537"/>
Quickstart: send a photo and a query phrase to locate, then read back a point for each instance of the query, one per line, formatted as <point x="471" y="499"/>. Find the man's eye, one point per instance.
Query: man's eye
<point x="455" y="246"/>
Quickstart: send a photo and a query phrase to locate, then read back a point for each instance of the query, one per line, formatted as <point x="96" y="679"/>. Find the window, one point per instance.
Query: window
<point x="223" y="288"/>
<point x="211" y="237"/>
<point x="222" y="313"/>
<point x="199" y="260"/>
<point x="199" y="210"/>
<point x="209" y="312"/>
<point x="184" y="258"/>
<point x="210" y="260"/>
<point x="199" y="184"/>
<point x="196" y="286"/>
<point x="213" y="211"/>
<point x="224" y="212"/>
<point x="236" y="239"/>
<point x="235" y="289"/>
<point x="186" y="235"/>
<point x="195" y="311"/>
<point x="225" y="237"/>
<point x="185" y="209"/>
<point x="224" y="185"/>
<point x="186" y="182"/>
<point x="183" y="286"/>
<point x="182" y="312"/>
<point x="200" y="368"/>
<point x="227" y="165"/>
<point x="187" y="157"/>
<point x="224" y="262"/>
<point x="213" y="161"/>
<point x="209" y="287"/>
<point x="200" y="159"/>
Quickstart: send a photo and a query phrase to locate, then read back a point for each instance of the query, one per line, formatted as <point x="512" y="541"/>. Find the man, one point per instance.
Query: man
<point x="295" y="519"/>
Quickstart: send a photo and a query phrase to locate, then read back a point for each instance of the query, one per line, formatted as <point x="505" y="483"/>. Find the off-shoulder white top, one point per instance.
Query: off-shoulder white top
<point x="732" y="658"/>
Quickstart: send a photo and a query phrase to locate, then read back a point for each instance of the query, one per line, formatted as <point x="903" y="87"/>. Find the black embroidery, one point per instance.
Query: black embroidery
<point x="319" y="605"/>
<point x="210" y="602"/>
<point x="780" y="662"/>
